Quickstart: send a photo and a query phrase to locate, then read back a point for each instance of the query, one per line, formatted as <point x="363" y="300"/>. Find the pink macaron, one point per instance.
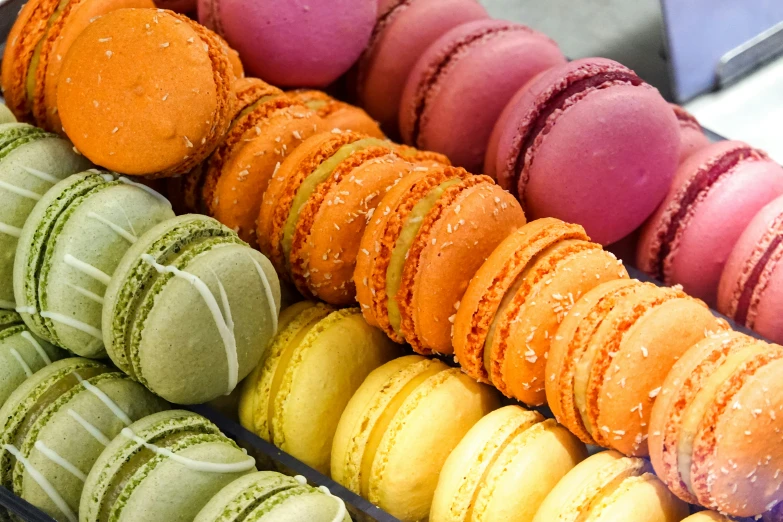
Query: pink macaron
<point x="751" y="287"/>
<point x="404" y="29"/>
<point x="692" y="137"/>
<point x="179" y="6"/>
<point x="588" y="142"/>
<point x="460" y="85"/>
<point x="715" y="194"/>
<point x="302" y="43"/>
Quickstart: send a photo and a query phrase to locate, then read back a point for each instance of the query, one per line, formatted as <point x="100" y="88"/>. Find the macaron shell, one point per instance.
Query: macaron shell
<point x="454" y="247"/>
<point x="241" y="493"/>
<point x="707" y="516"/>
<point x="6" y="116"/>
<point x="21" y="355"/>
<point x="307" y="505"/>
<point x="429" y="424"/>
<point x="642" y="499"/>
<point x="400" y="35"/>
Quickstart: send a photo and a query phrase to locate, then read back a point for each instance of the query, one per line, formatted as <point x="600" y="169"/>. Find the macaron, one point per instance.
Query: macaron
<point x="68" y="250"/>
<point x="715" y="428"/>
<point x="319" y="159"/>
<point x="162" y="468"/>
<point x="267" y="128"/>
<point x="403" y="29"/>
<point x="337" y="114"/>
<point x="31" y="161"/>
<point x="417" y="255"/>
<point x="400" y="427"/>
<point x="293" y="44"/>
<point x="707" y="516"/>
<point x="692" y="137"/>
<point x="750" y="286"/>
<point x="462" y="82"/>
<point x="21" y="353"/>
<point x="717" y="191"/>
<point x="178" y="6"/>
<point x="611" y="354"/>
<point x="190" y="290"/>
<point x="57" y="423"/>
<point x="608" y="487"/>
<point x="6" y="116"/>
<point x="146" y="92"/>
<point x="316" y="362"/>
<point x="519" y="296"/>
<point x="37" y="44"/>
<point x="267" y="496"/>
<point x="596" y="117"/>
<point x="508" y="452"/>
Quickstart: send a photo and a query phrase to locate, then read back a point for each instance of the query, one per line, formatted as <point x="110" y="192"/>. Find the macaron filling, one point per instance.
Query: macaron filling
<point x="311" y="182"/>
<point x="30" y="82"/>
<point x="755" y="277"/>
<point x="403" y="244"/>
<point x="700" y="184"/>
<point x="557" y="102"/>
<point x="697" y="409"/>
<point x="262" y="495"/>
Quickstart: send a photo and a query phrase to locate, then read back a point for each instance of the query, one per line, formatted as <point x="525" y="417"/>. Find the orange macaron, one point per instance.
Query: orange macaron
<point x="427" y="237"/>
<point x="146" y="92"/>
<point x="518" y="298"/>
<point x="337" y="114"/>
<point x="611" y="355"/>
<point x="716" y="428"/>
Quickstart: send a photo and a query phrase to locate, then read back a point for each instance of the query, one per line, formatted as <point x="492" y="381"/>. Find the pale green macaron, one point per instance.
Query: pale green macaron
<point x="6" y="116"/>
<point x="163" y="468"/>
<point x="69" y="248"/>
<point x="190" y="310"/>
<point x="21" y="353"/>
<point x="31" y="162"/>
<point x="267" y="496"/>
<point x="57" y="423"/>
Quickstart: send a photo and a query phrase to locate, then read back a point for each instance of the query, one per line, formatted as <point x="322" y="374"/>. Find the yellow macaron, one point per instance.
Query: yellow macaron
<point x="399" y="428"/>
<point x="317" y="360"/>
<point x="510" y="451"/>
<point x="707" y="516"/>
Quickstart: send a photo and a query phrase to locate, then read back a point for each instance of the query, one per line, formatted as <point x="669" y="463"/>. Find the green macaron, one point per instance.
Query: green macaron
<point x="6" y="116"/>
<point x="31" y="162"/>
<point x="190" y="310"/>
<point x="68" y="249"/>
<point x="21" y="353"/>
<point x="163" y="468"/>
<point x="268" y="496"/>
<point x="57" y="423"/>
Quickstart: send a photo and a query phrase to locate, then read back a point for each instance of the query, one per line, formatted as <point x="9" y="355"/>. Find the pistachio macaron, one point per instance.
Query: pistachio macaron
<point x="267" y="496"/>
<point x="337" y="114"/>
<point x="163" y="468"/>
<point x="21" y="353"/>
<point x="190" y="310"/>
<point x="608" y="487"/>
<point x="6" y="116"/>
<point x="518" y="298"/>
<point x="69" y="248"/>
<point x="31" y="162"/>
<point x="315" y="363"/>
<point x="504" y="467"/>
<point x="611" y="355"/>
<point x="400" y="427"/>
<point x="57" y="423"/>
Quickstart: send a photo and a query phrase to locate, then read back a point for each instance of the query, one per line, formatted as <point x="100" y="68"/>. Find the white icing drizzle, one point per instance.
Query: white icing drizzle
<point x="341" y="511"/>
<point x="45" y="485"/>
<point x="127" y="220"/>
<point x="10" y="231"/>
<point x="226" y="333"/>
<point x="145" y="188"/>
<point x="270" y="299"/>
<point x="300" y="479"/>
<point x="87" y="269"/>
<point x="89" y="428"/>
<point x="21" y="362"/>
<point x="8" y="305"/>
<point x="86" y="293"/>
<point x="59" y="460"/>
<point x="38" y="348"/>
<point x="30" y="310"/>
<point x="44" y="176"/>
<point x="19" y="191"/>
<point x="115" y="409"/>
<point x="73" y="323"/>
<point x="195" y="465"/>
<point x="124" y="234"/>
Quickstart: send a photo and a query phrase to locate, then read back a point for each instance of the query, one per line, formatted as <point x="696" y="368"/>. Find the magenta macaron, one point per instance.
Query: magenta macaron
<point x="751" y="287"/>
<point x="588" y="142"/>
<point x="462" y="82"/>
<point x="404" y="29"/>
<point x="302" y="43"/>
<point x="692" y="137"/>
<point x="715" y="194"/>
